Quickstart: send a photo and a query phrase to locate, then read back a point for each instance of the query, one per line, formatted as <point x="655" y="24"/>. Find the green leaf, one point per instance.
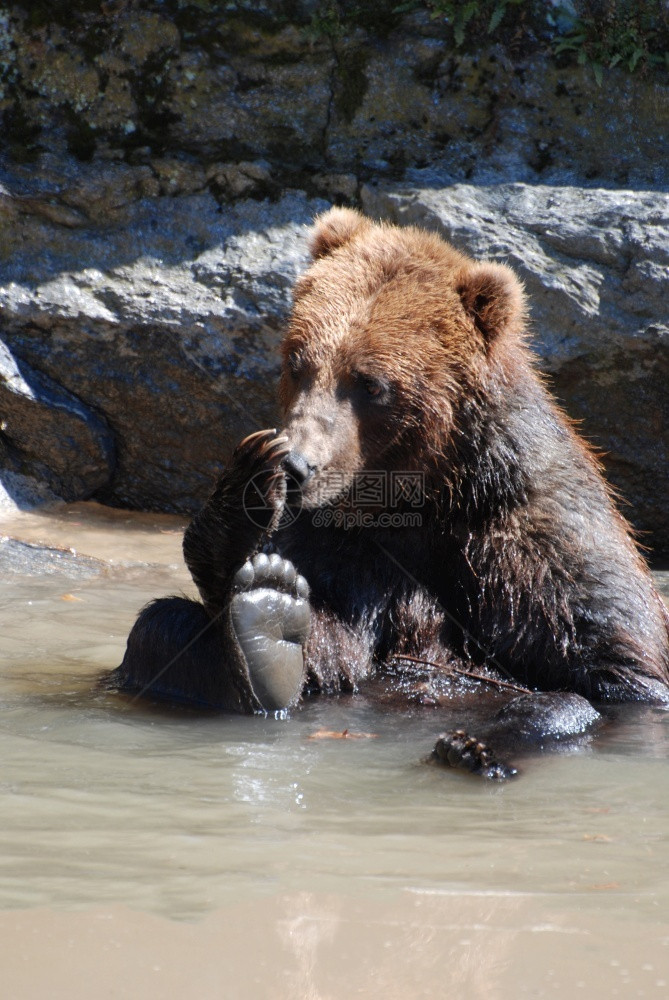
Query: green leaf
<point x="567" y="45"/>
<point x="614" y="62"/>
<point x="461" y="20"/>
<point x="634" y="59"/>
<point x="468" y="11"/>
<point x="572" y="43"/>
<point x="599" y="73"/>
<point x="497" y="16"/>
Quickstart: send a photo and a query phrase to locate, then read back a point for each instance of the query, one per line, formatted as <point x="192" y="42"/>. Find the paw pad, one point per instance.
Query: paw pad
<point x="272" y="572"/>
<point x="270" y="619"/>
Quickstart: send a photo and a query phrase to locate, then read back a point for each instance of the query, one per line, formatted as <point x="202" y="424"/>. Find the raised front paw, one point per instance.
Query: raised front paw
<point x="256" y="471"/>
<point x="269" y="615"/>
<point x="462" y="751"/>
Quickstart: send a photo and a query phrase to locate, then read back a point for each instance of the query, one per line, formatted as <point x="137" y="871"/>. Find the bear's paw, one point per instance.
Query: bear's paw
<point x="466" y="753"/>
<point x="269" y="618"/>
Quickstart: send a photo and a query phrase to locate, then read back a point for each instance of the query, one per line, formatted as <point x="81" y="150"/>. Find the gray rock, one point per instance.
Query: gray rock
<point x="595" y="264"/>
<point x="49" y="435"/>
<point x="30" y="559"/>
<point x="305" y="87"/>
<point x="20" y="492"/>
<point x="153" y="327"/>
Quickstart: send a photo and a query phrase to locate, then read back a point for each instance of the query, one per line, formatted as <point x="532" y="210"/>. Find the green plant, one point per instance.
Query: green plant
<point x="326" y="21"/>
<point x="470" y="15"/>
<point x="607" y="33"/>
<point x="332" y="18"/>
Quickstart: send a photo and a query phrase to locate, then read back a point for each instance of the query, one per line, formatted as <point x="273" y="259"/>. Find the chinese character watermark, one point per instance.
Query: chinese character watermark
<point x="370" y="498"/>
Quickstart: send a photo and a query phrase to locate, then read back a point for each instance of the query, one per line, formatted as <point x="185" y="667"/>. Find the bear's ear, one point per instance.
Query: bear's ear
<point x="333" y="229"/>
<point x="493" y="298"/>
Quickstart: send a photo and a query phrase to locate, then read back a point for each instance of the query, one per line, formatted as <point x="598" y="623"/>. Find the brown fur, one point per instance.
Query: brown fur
<point x="403" y="355"/>
<point x="538" y="566"/>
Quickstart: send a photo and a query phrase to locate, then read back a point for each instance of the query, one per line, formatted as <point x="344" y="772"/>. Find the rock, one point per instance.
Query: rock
<point x="150" y="330"/>
<point x="49" y="435"/>
<point x="242" y="180"/>
<point x="320" y="87"/>
<point x="19" y="492"/>
<point x="85" y="540"/>
<point x="337" y="187"/>
<point x="487" y="116"/>
<point x="29" y="559"/>
<point x="595" y="264"/>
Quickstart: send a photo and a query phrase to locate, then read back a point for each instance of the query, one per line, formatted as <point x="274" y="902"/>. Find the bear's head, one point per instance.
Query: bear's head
<point x="394" y="334"/>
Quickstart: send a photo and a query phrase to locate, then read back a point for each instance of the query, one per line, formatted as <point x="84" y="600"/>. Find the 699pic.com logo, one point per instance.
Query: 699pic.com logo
<point x="370" y="499"/>
<point x="259" y="501"/>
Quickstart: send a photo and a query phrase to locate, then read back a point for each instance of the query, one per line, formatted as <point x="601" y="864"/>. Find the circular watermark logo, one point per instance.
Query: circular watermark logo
<point x="258" y="505"/>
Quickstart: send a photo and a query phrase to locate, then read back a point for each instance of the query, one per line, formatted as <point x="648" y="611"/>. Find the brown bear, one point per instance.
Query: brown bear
<point x="426" y="498"/>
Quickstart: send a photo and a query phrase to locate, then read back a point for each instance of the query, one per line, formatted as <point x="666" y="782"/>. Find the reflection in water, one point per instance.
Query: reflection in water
<point x="306" y="929"/>
<point x="201" y="855"/>
<point x="318" y="947"/>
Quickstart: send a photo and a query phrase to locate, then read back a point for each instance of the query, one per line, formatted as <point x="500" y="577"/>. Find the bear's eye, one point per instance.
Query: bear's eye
<point x="376" y="388"/>
<point x="294" y="363"/>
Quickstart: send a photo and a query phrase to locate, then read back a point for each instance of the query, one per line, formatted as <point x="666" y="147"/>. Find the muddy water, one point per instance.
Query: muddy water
<point x="155" y="853"/>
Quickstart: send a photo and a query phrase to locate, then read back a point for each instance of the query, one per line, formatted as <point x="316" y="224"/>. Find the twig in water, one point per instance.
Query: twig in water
<point x="465" y="673"/>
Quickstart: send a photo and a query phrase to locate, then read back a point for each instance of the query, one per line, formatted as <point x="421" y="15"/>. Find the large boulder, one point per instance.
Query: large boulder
<point x="139" y="335"/>
<point x="64" y="445"/>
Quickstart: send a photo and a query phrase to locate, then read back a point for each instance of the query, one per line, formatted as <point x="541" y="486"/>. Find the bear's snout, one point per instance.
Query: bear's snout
<point x="297" y="466"/>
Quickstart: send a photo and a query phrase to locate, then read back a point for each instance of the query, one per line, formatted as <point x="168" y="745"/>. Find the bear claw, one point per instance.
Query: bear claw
<point x="465" y="752"/>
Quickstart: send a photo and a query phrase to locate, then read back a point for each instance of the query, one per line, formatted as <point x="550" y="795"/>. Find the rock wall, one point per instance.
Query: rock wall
<point x="162" y="162"/>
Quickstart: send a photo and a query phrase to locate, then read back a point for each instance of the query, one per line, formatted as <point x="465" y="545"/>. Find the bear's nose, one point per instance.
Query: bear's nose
<point x="297" y="466"/>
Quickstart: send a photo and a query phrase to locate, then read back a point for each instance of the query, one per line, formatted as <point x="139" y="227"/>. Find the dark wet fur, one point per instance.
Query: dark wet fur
<point x="522" y="566"/>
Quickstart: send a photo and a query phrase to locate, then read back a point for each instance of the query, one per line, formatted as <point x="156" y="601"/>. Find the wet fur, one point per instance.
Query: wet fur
<point x="522" y="566"/>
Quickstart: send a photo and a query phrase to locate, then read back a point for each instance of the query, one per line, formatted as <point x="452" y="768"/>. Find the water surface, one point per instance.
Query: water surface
<point x="168" y="854"/>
